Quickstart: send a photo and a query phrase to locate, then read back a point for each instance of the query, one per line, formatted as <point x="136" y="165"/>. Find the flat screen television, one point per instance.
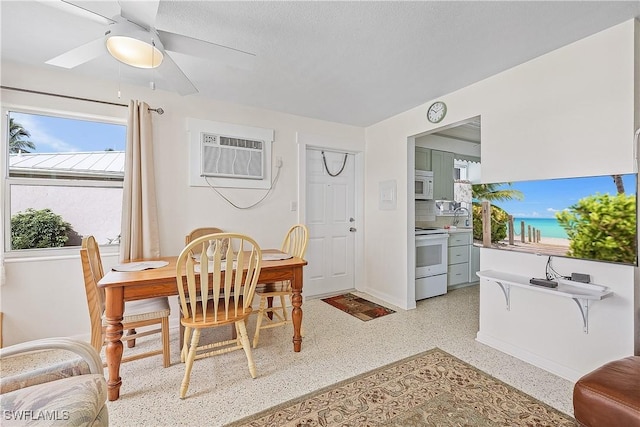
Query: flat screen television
<point x="591" y="218"/>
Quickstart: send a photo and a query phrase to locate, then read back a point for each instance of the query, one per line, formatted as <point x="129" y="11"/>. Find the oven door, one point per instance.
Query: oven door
<point x="431" y="255"/>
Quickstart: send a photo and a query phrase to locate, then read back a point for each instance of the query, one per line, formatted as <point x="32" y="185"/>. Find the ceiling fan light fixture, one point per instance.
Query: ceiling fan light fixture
<point x="134" y="52"/>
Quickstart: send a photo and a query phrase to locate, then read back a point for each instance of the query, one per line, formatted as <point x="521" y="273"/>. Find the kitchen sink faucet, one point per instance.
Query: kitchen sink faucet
<point x="456" y="213"/>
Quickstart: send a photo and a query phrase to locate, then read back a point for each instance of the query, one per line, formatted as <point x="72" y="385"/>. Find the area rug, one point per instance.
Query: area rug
<point x="429" y="389"/>
<point x="358" y="307"/>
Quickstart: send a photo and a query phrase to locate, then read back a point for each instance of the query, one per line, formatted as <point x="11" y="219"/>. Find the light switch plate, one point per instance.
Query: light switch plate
<point x="387" y="195"/>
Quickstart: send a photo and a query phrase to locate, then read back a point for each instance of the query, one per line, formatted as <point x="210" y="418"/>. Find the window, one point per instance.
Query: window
<point x="460" y="171"/>
<point x="64" y="180"/>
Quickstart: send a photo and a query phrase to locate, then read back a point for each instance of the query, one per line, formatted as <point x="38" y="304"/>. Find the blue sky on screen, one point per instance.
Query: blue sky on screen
<point x="542" y="199"/>
<point x="55" y="134"/>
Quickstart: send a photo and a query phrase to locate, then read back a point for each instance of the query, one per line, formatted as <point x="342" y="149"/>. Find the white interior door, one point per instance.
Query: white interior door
<point x="330" y="219"/>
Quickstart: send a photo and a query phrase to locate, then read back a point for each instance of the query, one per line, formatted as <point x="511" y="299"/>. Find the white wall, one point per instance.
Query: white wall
<point x="567" y="113"/>
<point x="45" y="297"/>
<point x="99" y="217"/>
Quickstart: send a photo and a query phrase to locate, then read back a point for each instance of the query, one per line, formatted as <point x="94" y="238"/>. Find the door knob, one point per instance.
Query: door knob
<point x="352" y="229"/>
<point x="352" y="219"/>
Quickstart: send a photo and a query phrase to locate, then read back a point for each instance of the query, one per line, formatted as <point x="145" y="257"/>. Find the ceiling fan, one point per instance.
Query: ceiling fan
<point x="131" y="38"/>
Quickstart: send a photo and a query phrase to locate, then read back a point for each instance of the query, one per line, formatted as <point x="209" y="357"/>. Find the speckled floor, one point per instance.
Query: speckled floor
<point x="336" y="346"/>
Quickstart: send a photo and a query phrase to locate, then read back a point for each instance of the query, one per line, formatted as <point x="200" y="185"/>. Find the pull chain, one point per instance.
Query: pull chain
<point x="152" y="83"/>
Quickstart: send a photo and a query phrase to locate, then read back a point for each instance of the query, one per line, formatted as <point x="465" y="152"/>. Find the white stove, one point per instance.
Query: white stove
<point x="431" y="262"/>
<point x="421" y="231"/>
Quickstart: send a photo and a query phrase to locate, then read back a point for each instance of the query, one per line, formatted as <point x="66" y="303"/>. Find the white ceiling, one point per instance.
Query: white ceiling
<point x="348" y="62"/>
<point x="468" y="131"/>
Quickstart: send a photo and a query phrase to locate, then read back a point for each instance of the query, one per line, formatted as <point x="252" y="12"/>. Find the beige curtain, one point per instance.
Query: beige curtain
<point x="2" y="275"/>
<point x="139" y="238"/>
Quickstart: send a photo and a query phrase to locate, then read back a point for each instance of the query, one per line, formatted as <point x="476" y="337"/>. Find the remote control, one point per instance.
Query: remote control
<point x="544" y="282"/>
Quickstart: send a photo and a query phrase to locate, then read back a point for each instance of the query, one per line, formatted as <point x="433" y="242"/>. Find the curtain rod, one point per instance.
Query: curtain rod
<point x="157" y="110"/>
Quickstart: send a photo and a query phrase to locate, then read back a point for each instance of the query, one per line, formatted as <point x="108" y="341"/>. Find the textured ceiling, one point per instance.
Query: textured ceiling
<point x="348" y="62"/>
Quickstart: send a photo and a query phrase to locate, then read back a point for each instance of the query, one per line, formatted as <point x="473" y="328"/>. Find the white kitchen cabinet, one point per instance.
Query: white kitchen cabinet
<point x="459" y="252"/>
<point x="442" y="167"/>
<point x="474" y="263"/>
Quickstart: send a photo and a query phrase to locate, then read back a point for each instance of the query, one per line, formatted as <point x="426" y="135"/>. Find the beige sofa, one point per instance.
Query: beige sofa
<point x="67" y="391"/>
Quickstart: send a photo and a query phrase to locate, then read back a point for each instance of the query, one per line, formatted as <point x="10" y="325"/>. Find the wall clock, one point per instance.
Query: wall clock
<point x="436" y="112"/>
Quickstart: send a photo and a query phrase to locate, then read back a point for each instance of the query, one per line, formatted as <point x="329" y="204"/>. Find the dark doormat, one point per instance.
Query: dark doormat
<point x="358" y="307"/>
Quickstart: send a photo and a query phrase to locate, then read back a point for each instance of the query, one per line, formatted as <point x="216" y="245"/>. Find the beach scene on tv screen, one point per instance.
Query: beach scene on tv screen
<point x="584" y="217"/>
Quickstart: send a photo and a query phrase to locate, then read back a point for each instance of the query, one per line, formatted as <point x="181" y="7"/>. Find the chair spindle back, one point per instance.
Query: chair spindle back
<point x="204" y="275"/>
<point x="92" y="271"/>
<point x="295" y="241"/>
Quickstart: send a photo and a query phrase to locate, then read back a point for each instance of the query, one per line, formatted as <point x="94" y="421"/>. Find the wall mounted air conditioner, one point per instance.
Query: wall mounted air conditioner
<point x="231" y="157"/>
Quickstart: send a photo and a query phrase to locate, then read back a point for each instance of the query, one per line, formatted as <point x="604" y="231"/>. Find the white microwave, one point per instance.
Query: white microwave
<point x="424" y="185"/>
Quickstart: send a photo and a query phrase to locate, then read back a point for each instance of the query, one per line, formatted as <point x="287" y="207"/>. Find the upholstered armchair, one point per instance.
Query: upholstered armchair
<point x="66" y="391"/>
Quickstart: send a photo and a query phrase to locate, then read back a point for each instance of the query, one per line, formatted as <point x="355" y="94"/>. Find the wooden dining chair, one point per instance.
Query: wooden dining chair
<point x="295" y="244"/>
<point x="194" y="234"/>
<point x="137" y="314"/>
<point x="199" y="232"/>
<point x="215" y="292"/>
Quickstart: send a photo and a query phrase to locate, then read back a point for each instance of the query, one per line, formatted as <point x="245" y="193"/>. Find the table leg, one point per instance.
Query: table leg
<point x="114" y="310"/>
<point x="296" y="312"/>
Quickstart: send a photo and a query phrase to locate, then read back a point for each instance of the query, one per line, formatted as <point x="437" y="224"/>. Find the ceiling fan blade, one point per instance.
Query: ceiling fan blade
<point x="142" y="13"/>
<point x="203" y="49"/>
<point x="80" y="54"/>
<point x="174" y="75"/>
<point x="78" y="10"/>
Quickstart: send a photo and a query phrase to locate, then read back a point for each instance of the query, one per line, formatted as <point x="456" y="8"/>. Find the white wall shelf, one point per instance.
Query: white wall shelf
<point x="581" y="293"/>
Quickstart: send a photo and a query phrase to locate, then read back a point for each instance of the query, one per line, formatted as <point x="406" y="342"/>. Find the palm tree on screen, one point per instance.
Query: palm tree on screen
<point x="499" y="217"/>
<point x="617" y="180"/>
<point x="19" y="138"/>
<point x="493" y="192"/>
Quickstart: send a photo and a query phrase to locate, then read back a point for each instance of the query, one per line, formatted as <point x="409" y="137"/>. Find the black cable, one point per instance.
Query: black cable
<point x="554" y="274"/>
<point x="344" y="162"/>
<point x="272" y="187"/>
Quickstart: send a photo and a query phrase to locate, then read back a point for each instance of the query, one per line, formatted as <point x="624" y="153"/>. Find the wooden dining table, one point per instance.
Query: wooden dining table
<point x="121" y="286"/>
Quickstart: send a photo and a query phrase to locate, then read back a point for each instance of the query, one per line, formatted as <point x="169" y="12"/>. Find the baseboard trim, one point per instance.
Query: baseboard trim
<point x="529" y="357"/>
<point x="388" y="299"/>
<point x="462" y="285"/>
<point x="327" y="295"/>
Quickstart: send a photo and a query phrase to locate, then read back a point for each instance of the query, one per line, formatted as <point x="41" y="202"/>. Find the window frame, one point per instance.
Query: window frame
<point x="463" y="169"/>
<point x="8" y="182"/>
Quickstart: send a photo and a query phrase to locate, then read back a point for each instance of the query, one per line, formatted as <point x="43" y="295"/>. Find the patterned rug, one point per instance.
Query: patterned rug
<point x="429" y="389"/>
<point x="358" y="307"/>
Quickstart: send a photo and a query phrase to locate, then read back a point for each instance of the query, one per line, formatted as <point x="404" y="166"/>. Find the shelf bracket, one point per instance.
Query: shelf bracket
<point x="506" y="290"/>
<point x="583" y="305"/>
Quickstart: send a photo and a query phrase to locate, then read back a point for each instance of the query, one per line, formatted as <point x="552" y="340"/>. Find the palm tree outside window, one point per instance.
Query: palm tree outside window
<point x="19" y="138"/>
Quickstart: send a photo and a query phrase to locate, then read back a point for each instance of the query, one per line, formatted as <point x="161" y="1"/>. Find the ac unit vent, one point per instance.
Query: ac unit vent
<point x="242" y="143"/>
<point x="232" y="157"/>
